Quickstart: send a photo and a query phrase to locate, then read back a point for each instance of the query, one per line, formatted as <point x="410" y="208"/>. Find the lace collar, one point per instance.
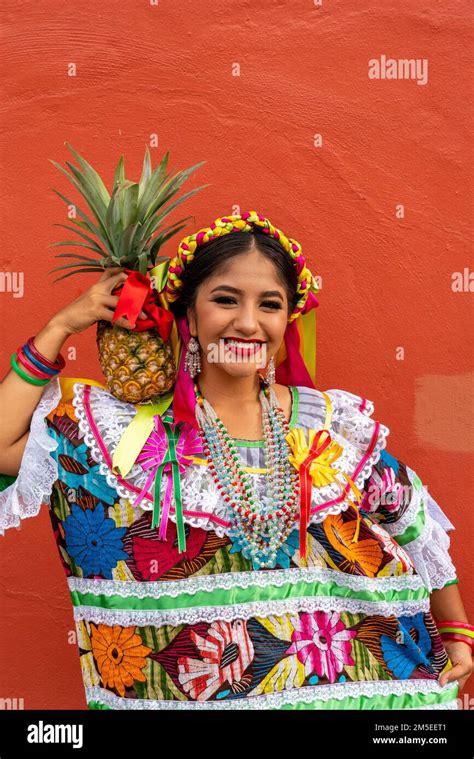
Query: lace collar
<point x="103" y="419"/>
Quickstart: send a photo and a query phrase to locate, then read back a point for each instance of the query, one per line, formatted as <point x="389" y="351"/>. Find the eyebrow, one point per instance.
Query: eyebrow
<point x="264" y="294"/>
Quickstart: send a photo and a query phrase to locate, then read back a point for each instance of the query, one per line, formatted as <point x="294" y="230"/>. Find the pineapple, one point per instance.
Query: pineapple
<point x="126" y="229"/>
<point x="135" y="368"/>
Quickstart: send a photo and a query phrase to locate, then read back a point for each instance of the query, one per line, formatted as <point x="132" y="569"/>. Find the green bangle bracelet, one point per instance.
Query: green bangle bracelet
<point x="24" y="375"/>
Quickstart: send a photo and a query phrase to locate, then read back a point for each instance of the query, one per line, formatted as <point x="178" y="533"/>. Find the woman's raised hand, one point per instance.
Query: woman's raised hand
<point x="94" y="304"/>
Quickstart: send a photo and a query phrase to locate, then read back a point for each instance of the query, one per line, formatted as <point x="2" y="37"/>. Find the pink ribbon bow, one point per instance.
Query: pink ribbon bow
<point x="168" y="449"/>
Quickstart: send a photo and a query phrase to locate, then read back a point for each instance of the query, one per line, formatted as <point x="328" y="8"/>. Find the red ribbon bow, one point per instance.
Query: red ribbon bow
<point x="136" y="295"/>
<point x="306" y="485"/>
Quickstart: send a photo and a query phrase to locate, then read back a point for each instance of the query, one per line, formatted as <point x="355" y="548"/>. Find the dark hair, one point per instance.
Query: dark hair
<point x="212" y="255"/>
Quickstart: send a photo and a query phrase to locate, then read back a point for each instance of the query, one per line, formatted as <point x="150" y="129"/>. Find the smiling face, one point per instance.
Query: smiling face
<point x="244" y="313"/>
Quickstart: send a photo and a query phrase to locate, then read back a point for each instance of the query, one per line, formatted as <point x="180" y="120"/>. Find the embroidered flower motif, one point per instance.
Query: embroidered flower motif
<point x="361" y="557"/>
<point x="322" y="643"/>
<point x="120" y="656"/>
<point x="226" y="652"/>
<point x="63" y="409"/>
<point x="93" y="540"/>
<point x="406" y="653"/>
<point x="383" y="491"/>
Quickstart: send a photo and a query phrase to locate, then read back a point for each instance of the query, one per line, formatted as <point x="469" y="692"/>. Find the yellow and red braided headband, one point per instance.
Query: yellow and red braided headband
<point x="245" y="223"/>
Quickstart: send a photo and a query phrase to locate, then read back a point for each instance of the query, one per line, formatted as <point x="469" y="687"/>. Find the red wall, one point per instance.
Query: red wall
<point x="166" y="69"/>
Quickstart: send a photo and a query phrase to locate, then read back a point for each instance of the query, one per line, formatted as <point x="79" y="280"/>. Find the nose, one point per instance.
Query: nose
<point x="246" y="320"/>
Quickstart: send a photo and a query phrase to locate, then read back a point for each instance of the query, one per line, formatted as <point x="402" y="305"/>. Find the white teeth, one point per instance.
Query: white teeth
<point x="242" y="345"/>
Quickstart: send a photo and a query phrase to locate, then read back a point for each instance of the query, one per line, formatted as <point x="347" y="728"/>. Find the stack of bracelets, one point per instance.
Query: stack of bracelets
<point x="449" y="629"/>
<point x="39" y="369"/>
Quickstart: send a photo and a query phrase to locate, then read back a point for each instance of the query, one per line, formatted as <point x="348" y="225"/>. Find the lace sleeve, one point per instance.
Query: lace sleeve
<point x="397" y="498"/>
<point x="38" y="470"/>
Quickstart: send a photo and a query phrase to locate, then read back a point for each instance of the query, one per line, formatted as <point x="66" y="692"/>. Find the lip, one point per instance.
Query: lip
<point x="242" y="340"/>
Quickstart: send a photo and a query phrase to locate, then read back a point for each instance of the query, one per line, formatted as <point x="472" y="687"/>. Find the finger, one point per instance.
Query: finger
<point x="110" y="301"/>
<point x="142" y="315"/>
<point x="105" y="315"/>
<point x="108" y="315"/>
<point x="115" y="281"/>
<point x="454" y="674"/>
<point x="110" y="271"/>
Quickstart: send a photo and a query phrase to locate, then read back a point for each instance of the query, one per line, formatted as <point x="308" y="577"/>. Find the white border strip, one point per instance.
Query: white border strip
<point x="305" y="695"/>
<point x="227" y="581"/>
<point x="193" y="615"/>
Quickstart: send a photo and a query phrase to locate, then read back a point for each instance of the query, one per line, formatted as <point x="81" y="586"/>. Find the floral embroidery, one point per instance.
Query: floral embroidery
<point x="93" y="540"/>
<point x="120" y="656"/>
<point x="322" y="643"/>
<point x="404" y="654"/>
<point x="63" y="409"/>
<point x="226" y="653"/>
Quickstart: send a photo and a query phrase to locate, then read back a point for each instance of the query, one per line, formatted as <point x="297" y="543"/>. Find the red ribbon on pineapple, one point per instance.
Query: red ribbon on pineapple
<point x="136" y="295"/>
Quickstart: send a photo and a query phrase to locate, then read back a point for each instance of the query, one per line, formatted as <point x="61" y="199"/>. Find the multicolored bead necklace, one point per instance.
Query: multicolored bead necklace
<point x="259" y="528"/>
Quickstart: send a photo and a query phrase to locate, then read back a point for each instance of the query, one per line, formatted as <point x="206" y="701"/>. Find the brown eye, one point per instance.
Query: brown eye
<point x="272" y="304"/>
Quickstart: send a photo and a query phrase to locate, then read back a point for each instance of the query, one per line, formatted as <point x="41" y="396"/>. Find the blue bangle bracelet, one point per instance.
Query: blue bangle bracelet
<point x="38" y="364"/>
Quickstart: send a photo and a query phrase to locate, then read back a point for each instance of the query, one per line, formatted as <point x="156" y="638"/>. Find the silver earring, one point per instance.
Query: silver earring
<point x="271" y="372"/>
<point x="192" y="359"/>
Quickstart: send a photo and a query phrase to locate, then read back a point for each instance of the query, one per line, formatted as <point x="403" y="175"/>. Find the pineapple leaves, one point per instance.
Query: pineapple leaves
<point x="168" y="189"/>
<point x="93" y="245"/>
<point x="156" y="220"/>
<point x="119" y="171"/>
<point x="146" y="173"/>
<point x="152" y="187"/>
<point x="102" y="262"/>
<point x="89" y="224"/>
<point x="126" y="227"/>
<point x="129" y="201"/>
<point x="113" y="220"/>
<point x="70" y="274"/>
<point x="91" y="177"/>
<point x="71" y="266"/>
<point x="126" y="247"/>
<point x="160" y="240"/>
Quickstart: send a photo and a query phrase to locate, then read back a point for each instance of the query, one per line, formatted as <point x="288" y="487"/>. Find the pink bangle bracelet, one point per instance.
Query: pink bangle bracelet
<point x="21" y="358"/>
<point x="57" y="365"/>
<point x="458" y="638"/>
<point x="454" y="623"/>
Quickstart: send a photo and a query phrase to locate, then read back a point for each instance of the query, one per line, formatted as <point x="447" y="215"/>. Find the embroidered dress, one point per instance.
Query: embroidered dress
<point x="350" y="627"/>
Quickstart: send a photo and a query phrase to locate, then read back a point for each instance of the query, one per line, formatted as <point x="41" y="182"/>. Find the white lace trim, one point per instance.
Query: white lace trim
<point x="305" y="695"/>
<point x="351" y="428"/>
<point x="429" y="552"/>
<point x="38" y="470"/>
<point x="430" y="555"/>
<point x="261" y="579"/>
<point x="191" y="616"/>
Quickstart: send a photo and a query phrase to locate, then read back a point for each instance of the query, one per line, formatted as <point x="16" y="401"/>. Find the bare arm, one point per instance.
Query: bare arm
<point x="446" y="603"/>
<point x="18" y="398"/>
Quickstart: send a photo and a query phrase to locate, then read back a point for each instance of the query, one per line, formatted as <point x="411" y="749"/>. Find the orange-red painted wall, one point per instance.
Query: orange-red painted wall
<point x="387" y="281"/>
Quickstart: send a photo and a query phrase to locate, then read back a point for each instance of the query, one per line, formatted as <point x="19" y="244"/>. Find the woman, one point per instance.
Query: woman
<point x="263" y="549"/>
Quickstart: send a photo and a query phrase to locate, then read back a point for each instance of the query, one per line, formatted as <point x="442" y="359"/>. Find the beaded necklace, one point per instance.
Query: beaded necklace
<point x="260" y="528"/>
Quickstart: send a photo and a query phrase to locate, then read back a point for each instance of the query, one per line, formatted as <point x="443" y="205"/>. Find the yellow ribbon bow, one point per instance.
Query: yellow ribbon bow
<point x="314" y="460"/>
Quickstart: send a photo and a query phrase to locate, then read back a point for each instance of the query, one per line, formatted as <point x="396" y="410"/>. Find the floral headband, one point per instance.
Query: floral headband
<point x="247" y="222"/>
